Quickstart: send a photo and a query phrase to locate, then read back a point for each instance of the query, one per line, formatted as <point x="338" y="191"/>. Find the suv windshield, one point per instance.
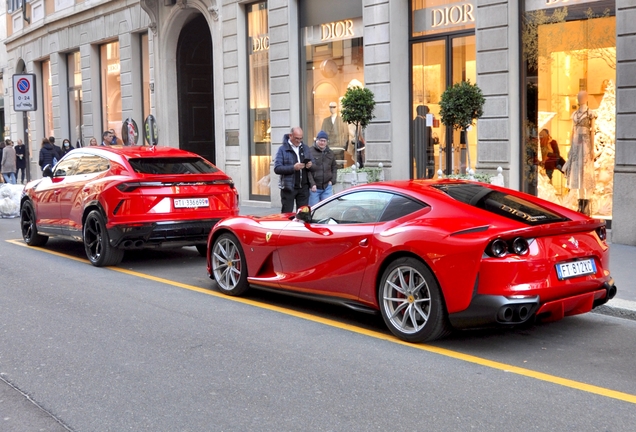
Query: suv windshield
<point x="187" y="165"/>
<point x="500" y="203"/>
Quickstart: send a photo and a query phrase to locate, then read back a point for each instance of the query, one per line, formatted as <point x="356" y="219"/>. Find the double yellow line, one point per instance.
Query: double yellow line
<point x="601" y="391"/>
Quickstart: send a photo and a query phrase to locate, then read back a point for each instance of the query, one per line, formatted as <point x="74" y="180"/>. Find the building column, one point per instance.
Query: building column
<point x="498" y="130"/>
<point x="623" y="220"/>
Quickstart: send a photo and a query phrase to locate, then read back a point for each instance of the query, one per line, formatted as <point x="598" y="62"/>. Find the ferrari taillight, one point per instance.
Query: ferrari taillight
<point x="601" y="232"/>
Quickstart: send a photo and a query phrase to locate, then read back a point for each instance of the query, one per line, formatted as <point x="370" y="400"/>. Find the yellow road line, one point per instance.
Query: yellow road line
<point x="601" y="391"/>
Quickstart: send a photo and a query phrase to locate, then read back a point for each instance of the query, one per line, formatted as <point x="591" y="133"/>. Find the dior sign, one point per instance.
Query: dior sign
<point x="453" y="15"/>
<point x="333" y="31"/>
<point x="457" y="14"/>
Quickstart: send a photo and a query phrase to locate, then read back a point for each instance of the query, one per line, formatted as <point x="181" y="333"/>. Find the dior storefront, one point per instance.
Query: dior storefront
<point x="228" y="78"/>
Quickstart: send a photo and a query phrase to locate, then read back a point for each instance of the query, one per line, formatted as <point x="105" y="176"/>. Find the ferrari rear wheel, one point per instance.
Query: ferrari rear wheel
<point x="228" y="265"/>
<point x="411" y="302"/>
<point x="97" y="243"/>
<point x="29" y="228"/>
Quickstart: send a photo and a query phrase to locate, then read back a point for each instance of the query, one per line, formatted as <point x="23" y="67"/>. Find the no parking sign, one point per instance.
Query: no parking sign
<point x="24" y="92"/>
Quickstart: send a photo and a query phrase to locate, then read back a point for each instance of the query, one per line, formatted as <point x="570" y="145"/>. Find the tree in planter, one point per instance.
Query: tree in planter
<point x="460" y="106"/>
<point x="357" y="108"/>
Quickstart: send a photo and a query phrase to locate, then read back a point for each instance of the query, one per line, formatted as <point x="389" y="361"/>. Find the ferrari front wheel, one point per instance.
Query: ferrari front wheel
<point x="228" y="265"/>
<point x="411" y="302"/>
<point x="97" y="242"/>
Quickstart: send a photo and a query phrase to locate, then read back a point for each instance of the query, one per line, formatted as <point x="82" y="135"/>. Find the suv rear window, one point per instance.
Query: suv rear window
<point x="501" y="203"/>
<point x="184" y="165"/>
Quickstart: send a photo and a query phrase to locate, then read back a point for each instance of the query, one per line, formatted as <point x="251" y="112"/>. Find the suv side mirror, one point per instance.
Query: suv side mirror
<point x="47" y="171"/>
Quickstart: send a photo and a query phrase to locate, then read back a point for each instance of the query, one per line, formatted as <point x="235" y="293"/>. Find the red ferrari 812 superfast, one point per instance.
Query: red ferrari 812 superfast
<point x="429" y="255"/>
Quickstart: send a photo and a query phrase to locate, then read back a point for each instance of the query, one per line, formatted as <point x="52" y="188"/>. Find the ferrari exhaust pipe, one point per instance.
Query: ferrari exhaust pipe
<point x="139" y="244"/>
<point x="128" y="244"/>
<point x="505" y="314"/>
<point x="523" y="313"/>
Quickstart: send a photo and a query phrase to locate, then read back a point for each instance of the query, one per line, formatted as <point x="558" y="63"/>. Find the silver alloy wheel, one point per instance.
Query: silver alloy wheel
<point x="226" y="263"/>
<point x="407" y="299"/>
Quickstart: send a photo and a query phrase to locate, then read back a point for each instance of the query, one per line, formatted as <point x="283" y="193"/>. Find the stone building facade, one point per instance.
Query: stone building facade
<point x="228" y="78"/>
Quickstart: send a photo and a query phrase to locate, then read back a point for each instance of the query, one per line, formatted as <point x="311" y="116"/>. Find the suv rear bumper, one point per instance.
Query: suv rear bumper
<point x="156" y="234"/>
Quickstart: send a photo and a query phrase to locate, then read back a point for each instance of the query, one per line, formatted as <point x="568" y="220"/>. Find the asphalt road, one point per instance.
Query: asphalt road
<point x="150" y="345"/>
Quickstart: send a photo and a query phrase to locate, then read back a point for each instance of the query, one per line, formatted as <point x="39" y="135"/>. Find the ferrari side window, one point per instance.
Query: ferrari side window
<point x="400" y="206"/>
<point x="353" y="208"/>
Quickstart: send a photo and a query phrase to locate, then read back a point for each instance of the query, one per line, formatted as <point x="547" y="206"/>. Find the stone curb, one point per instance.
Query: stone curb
<point x="618" y="308"/>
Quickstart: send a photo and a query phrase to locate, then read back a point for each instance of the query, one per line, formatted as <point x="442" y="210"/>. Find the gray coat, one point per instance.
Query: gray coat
<point x="8" y="160"/>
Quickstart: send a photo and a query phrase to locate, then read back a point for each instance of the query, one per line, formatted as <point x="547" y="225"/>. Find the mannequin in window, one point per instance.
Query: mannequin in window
<point x="579" y="169"/>
<point x="337" y="131"/>
<point x="423" y="145"/>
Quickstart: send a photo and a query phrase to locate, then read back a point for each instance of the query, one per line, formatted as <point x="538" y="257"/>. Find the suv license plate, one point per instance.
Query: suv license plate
<point x="191" y="202"/>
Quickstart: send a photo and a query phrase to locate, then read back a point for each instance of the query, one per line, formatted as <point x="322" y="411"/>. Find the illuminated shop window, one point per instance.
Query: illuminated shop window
<point x="111" y="87"/>
<point x="145" y="74"/>
<point x="260" y="142"/>
<point x="47" y="96"/>
<point x="333" y="60"/>
<point x="570" y="53"/>
<point x="74" y="86"/>
<point x="443" y="53"/>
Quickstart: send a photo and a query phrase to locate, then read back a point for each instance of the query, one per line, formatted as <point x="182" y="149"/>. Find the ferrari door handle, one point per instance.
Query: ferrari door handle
<point x="364" y="242"/>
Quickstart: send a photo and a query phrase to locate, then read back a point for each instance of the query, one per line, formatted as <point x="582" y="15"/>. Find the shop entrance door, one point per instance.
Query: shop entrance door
<point x="437" y="64"/>
<point x="196" y="89"/>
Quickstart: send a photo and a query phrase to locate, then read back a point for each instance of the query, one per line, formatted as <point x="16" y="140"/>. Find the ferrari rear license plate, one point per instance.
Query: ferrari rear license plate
<point x="575" y="268"/>
<point x="191" y="202"/>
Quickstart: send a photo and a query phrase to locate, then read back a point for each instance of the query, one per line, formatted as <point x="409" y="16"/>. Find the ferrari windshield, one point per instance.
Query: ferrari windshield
<point x="172" y="165"/>
<point x="500" y="203"/>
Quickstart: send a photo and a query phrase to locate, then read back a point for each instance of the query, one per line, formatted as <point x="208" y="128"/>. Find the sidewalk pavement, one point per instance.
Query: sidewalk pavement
<point x="622" y="268"/>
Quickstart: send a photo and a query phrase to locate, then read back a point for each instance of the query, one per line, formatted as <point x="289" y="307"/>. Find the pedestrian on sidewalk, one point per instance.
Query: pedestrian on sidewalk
<point x="293" y="163"/>
<point x="326" y="170"/>
<point x="20" y="161"/>
<point x="8" y="162"/>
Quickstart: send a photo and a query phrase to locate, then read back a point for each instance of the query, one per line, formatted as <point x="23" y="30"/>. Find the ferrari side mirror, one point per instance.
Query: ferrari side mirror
<point x="304" y="214"/>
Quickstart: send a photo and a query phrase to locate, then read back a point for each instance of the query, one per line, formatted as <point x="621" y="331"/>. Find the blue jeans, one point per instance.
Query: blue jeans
<point x="319" y="195"/>
<point x="9" y="178"/>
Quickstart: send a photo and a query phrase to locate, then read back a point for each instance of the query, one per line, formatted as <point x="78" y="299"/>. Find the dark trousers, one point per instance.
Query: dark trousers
<point x="20" y="169"/>
<point x="300" y="196"/>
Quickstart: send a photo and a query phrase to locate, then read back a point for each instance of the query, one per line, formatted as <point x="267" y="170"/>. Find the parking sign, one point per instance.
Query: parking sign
<point x="24" y="95"/>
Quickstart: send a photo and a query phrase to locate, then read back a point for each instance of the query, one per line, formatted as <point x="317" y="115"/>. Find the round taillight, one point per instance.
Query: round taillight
<point x="601" y="232"/>
<point x="498" y="248"/>
<point x="520" y="246"/>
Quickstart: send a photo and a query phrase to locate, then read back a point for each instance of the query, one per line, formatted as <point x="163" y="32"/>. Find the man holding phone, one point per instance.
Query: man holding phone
<point x="293" y="163"/>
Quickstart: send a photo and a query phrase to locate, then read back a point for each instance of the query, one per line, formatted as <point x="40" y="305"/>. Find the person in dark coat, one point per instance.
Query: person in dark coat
<point x="58" y="150"/>
<point x="321" y="180"/>
<point x="293" y="163"/>
<point x="20" y="160"/>
<point x="47" y="153"/>
<point x="66" y="146"/>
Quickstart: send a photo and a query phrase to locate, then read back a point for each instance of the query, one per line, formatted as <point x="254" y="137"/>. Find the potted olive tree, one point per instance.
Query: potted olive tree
<point x="460" y="106"/>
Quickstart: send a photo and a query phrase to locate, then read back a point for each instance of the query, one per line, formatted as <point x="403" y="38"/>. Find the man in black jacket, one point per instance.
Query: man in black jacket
<point x="293" y="163"/>
<point x="324" y="176"/>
